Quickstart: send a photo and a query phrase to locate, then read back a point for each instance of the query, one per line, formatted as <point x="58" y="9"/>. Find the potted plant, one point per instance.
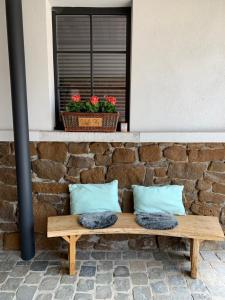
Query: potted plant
<point x="92" y="115"/>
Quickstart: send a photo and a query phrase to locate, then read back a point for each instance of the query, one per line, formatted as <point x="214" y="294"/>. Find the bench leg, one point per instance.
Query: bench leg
<point x="72" y="254"/>
<point x="194" y="253"/>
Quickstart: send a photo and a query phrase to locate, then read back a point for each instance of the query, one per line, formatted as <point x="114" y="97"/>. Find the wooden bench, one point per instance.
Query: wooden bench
<point x="195" y="228"/>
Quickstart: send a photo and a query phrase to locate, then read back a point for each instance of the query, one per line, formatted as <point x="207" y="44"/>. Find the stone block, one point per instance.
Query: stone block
<point x="4" y="149"/>
<point x="186" y="170"/>
<point x="217" y="166"/>
<point x="8" y="192"/>
<point x="117" y="145"/>
<point x="175" y="153"/>
<point x="56" y="151"/>
<point x="126" y="174"/>
<point x="201" y="208"/>
<point x="218" y="188"/>
<point x="42" y="210"/>
<point x="127" y="202"/>
<point x="7" y="211"/>
<point x="123" y="155"/>
<point x="209" y="197"/>
<point x="8" y="176"/>
<point x="48" y="169"/>
<point x="160" y="172"/>
<point x="204" y="184"/>
<point x="49" y="188"/>
<point x="78" y="148"/>
<point x="8" y="161"/>
<point x="103" y="159"/>
<point x="11" y="241"/>
<point x="205" y="155"/>
<point x="99" y="147"/>
<point x="95" y="175"/>
<point x="80" y="162"/>
<point x="150" y="153"/>
<point x="149" y="177"/>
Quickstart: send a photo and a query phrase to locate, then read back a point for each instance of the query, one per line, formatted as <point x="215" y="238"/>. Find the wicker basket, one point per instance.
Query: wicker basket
<point x="103" y="122"/>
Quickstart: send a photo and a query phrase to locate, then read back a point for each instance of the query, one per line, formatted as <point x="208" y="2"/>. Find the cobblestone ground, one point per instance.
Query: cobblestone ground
<point x="112" y="275"/>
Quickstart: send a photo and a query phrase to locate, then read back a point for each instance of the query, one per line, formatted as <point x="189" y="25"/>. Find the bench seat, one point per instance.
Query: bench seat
<point x="195" y="228"/>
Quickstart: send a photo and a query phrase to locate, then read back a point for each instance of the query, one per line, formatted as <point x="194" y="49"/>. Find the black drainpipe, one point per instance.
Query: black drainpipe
<point x="20" y="125"/>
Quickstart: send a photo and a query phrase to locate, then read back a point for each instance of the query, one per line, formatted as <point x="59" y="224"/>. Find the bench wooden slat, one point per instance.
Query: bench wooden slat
<point x="191" y="226"/>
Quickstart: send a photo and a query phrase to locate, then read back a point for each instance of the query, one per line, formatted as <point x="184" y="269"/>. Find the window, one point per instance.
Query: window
<point x="92" y="55"/>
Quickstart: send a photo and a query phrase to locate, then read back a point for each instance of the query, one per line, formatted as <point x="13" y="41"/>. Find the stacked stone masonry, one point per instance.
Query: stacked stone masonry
<point x="199" y="167"/>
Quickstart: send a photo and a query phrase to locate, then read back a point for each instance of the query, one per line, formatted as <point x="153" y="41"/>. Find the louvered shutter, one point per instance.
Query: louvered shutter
<point x="92" y="56"/>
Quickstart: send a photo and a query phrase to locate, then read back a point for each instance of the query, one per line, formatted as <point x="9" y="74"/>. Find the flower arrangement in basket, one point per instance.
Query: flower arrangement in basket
<point x="92" y="115"/>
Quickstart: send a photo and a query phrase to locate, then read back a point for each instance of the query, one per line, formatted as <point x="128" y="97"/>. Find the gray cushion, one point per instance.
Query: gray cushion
<point x="156" y="221"/>
<point x="97" y="220"/>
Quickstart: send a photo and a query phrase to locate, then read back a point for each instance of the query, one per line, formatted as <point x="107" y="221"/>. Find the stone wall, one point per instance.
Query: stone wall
<point x="199" y="167"/>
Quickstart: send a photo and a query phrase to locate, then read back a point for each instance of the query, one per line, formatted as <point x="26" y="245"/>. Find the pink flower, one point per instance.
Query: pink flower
<point x="111" y="99"/>
<point x="75" y="98"/>
<point x="94" y="100"/>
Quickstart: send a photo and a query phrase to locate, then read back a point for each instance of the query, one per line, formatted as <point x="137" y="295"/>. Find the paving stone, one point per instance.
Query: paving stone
<point x="33" y="278"/>
<point x="176" y="280"/>
<point x="83" y="255"/>
<point x="11" y="284"/>
<point x="79" y="296"/>
<point x="113" y="255"/>
<point x="141" y="293"/>
<point x="121" y="271"/>
<point x="209" y="256"/>
<point x="217" y="291"/>
<point x="85" y="285"/>
<point x="159" y="287"/>
<point x="6" y="266"/>
<point x="68" y="279"/>
<point x="65" y="292"/>
<point x="103" y="292"/>
<point x="23" y="263"/>
<point x="48" y="283"/>
<point x="55" y="270"/>
<point x="25" y="292"/>
<point x="6" y="296"/>
<point x="201" y="297"/>
<point x="105" y="266"/>
<point x="171" y="267"/>
<point x="221" y="255"/>
<point x="87" y="271"/>
<point x="39" y="266"/>
<point x="3" y="276"/>
<point x="19" y="271"/>
<point x="129" y="255"/>
<point x="98" y="255"/>
<point x="44" y="297"/>
<point x="3" y="255"/>
<point x="139" y="278"/>
<point x="104" y="278"/>
<point x="137" y="265"/>
<point x="159" y="255"/>
<point x="144" y="255"/>
<point x="154" y="263"/>
<point x="121" y="296"/>
<point x="163" y="297"/>
<point x="89" y="263"/>
<point x="121" y="263"/>
<point x="181" y="296"/>
<point x="197" y="286"/>
<point x="156" y="273"/>
<point x="122" y="284"/>
<point x="49" y="255"/>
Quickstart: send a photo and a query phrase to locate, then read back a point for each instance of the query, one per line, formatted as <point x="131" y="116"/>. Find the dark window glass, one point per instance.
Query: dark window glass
<point x="92" y="55"/>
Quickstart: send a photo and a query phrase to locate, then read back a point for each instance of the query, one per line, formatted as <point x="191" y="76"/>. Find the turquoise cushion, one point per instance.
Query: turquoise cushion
<point x="94" y="198"/>
<point x="158" y="199"/>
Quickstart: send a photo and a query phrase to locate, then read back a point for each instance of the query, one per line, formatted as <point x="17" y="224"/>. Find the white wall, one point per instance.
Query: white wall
<point x="178" y="63"/>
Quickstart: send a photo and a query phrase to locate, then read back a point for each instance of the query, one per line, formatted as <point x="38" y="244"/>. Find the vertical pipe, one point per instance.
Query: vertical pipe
<point x="20" y="124"/>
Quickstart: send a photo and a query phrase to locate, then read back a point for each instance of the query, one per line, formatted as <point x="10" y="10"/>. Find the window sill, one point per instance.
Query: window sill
<point x="134" y="137"/>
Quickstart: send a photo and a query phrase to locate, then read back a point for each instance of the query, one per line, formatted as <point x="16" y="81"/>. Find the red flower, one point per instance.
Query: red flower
<point x="94" y="100"/>
<point x="111" y="99"/>
<point x="75" y="98"/>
